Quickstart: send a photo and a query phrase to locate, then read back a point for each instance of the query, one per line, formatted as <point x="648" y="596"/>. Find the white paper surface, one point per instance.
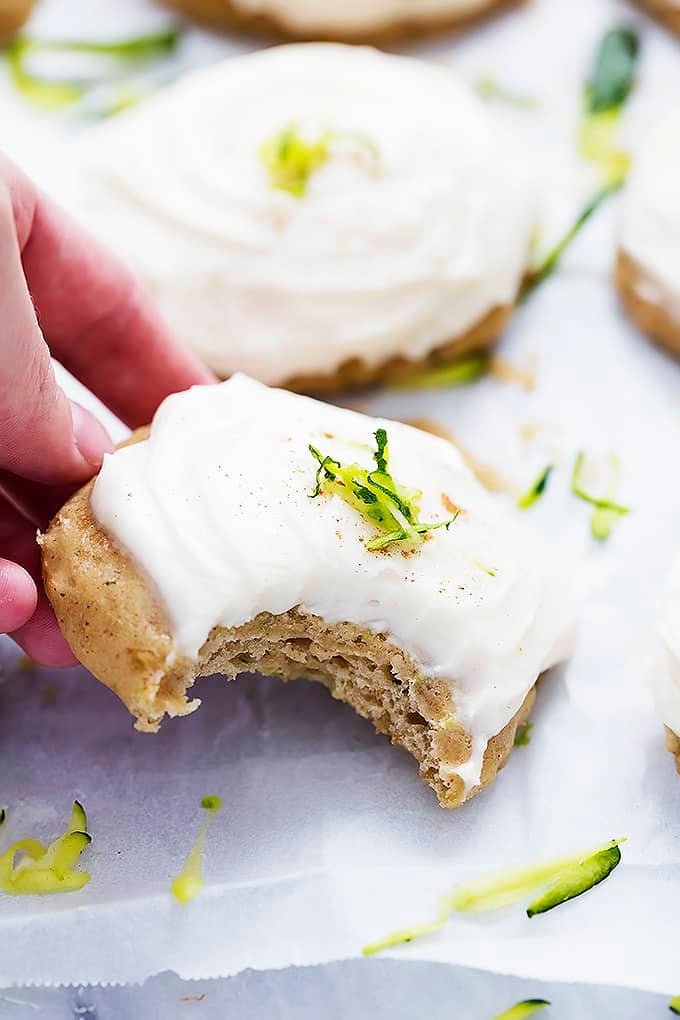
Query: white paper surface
<point x="327" y="838"/>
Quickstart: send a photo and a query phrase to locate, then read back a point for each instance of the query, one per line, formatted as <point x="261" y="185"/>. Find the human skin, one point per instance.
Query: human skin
<point x="62" y="293"/>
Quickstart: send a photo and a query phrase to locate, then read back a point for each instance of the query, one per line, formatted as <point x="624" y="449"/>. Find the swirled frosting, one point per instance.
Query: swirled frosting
<point x="215" y="509"/>
<point x="650" y="224"/>
<point x="666" y="675"/>
<point x="357" y="16"/>
<point x="416" y="226"/>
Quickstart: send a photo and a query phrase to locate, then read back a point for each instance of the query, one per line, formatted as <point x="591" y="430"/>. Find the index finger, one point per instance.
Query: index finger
<point x="93" y="313"/>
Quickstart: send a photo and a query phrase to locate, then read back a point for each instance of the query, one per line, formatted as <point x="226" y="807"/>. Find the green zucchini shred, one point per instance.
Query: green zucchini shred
<point x="487" y="87"/>
<point x="606" y="511"/>
<point x="211" y="802"/>
<point x="376" y="496"/>
<point x="49" y="94"/>
<point x="550" y="262"/>
<point x="42" y="870"/>
<point x="535" y="491"/>
<point x="607" y="91"/>
<point x="565" y="879"/>
<point x="459" y="373"/>
<point x="522" y="1009"/>
<point x="523" y="735"/>
<point x="614" y="71"/>
<point x="674" y="1005"/>
<point x="406" y="935"/>
<point x="577" y="879"/>
<point x="518" y="883"/>
<point x="290" y="159"/>
<point x="189" y="883"/>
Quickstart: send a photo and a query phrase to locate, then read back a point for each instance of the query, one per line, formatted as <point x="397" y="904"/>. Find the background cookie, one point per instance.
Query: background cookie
<point x="367" y="216"/>
<point x="365" y="21"/>
<point x="13" y="14"/>
<point x="665" y="11"/>
<point x="648" y="267"/>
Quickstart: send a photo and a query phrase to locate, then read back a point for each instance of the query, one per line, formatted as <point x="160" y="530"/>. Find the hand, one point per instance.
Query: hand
<point x="58" y="287"/>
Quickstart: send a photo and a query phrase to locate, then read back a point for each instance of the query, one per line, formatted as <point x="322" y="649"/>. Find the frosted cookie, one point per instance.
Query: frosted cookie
<point x="648" y="268"/>
<point x="666" y="675"/>
<point x="665" y="11"/>
<point x="367" y="21"/>
<point x="259" y="530"/>
<point x="318" y="216"/>
<point x="13" y="14"/>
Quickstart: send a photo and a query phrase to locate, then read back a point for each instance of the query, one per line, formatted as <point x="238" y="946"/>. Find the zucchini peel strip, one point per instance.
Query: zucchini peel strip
<point x="557" y="881"/>
<point x="42" y="870"/>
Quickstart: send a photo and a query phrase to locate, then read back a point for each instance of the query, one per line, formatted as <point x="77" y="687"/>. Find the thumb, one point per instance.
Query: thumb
<point x="43" y="436"/>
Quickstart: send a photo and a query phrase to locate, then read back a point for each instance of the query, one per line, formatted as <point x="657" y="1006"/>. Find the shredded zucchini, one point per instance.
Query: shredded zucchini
<point x="29" y="868"/>
<point x="577" y="879"/>
<point x="614" y="71"/>
<point x="460" y="373"/>
<point x="189" y="883"/>
<point x="610" y="85"/>
<point x="606" y="510"/>
<point x="598" y="144"/>
<point x="534" y="493"/>
<point x="674" y="1005"/>
<point x="523" y="735"/>
<point x="406" y="935"/>
<point x="488" y="88"/>
<point x="376" y="496"/>
<point x="562" y="879"/>
<point x="551" y="261"/>
<point x="290" y="159"/>
<point x="50" y="94"/>
<point x="522" y="1009"/>
<point x="518" y="883"/>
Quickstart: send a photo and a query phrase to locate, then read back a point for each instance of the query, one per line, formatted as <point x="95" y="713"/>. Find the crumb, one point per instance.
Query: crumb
<point x="530" y="430"/>
<point x="435" y="428"/>
<point x="448" y="504"/>
<point x="48" y="694"/>
<point x="505" y="371"/>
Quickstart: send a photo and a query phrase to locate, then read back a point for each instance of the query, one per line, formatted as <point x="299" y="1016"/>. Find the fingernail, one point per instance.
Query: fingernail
<point x="91" y="437"/>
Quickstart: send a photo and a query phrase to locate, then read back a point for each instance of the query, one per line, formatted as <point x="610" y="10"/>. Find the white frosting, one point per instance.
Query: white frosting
<point x="215" y="507"/>
<point x="357" y="15"/>
<point x="382" y="256"/>
<point x="650" y="226"/>
<point x="666" y="676"/>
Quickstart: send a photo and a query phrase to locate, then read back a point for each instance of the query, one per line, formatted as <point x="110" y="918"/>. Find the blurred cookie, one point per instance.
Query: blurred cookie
<point x="648" y="267"/>
<point x="365" y="21"/>
<point x="317" y="215"/>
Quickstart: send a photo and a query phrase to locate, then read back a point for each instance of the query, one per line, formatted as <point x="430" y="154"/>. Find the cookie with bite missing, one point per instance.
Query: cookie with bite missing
<point x="254" y="529"/>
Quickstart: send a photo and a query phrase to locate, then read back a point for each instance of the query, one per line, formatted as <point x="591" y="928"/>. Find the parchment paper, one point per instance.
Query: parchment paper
<point x="327" y="838"/>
